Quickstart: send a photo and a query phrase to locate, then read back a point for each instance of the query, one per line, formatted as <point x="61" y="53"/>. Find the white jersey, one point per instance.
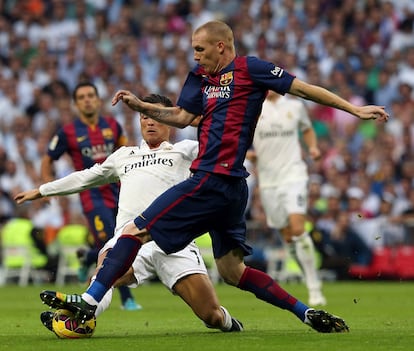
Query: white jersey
<point x="144" y="174"/>
<point x="276" y="142"/>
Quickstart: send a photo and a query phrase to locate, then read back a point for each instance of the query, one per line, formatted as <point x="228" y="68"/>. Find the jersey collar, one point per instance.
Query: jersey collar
<point x="165" y="145"/>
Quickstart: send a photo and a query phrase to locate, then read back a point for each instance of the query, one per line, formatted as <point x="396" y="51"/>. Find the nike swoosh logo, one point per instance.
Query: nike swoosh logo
<point x="81" y="138"/>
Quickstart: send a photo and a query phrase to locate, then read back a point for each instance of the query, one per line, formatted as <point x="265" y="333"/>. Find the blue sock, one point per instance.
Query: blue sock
<point x="299" y="310"/>
<point x="116" y="263"/>
<point x="97" y="290"/>
<point x="125" y="293"/>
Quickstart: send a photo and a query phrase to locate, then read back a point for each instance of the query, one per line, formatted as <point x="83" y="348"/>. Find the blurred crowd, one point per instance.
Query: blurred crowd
<point x="361" y="49"/>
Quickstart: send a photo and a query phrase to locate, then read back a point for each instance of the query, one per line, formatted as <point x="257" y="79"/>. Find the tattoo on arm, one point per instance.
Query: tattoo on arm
<point x="151" y="113"/>
<point x="172" y="116"/>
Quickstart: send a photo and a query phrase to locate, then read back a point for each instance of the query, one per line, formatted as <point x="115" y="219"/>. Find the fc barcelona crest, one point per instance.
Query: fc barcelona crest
<point x="107" y="133"/>
<point x="226" y="78"/>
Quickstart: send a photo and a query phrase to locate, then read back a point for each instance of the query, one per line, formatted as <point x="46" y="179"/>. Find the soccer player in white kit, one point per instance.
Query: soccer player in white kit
<point x="283" y="177"/>
<point x="146" y="171"/>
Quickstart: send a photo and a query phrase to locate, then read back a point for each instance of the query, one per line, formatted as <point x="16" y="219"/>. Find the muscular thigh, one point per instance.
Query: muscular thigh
<point x="197" y="291"/>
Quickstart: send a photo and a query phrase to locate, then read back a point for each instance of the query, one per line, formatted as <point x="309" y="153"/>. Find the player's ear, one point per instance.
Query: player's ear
<point x="221" y="46"/>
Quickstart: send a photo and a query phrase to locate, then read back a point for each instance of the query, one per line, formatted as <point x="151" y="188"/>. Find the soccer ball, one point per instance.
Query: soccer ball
<point x="66" y="326"/>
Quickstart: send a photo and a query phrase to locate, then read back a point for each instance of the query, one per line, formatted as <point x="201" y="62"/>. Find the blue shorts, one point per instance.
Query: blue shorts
<point x="205" y="202"/>
<point x="101" y="222"/>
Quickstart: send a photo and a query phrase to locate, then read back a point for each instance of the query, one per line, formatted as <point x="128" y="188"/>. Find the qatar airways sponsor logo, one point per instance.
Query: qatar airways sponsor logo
<point x="147" y="161"/>
<point x="213" y="92"/>
<point x="98" y="152"/>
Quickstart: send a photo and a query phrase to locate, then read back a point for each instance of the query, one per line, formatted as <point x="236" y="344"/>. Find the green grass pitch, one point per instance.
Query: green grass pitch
<point x="380" y="316"/>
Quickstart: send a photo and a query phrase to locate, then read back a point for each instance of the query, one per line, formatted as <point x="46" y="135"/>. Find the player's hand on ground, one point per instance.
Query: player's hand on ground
<point x="372" y="112"/>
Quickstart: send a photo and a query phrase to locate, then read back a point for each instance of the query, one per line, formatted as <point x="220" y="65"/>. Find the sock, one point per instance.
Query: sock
<point x="103" y="304"/>
<point x="116" y="263"/>
<point x="91" y="257"/>
<point x="125" y="293"/>
<point x="227" y="320"/>
<point x="303" y="250"/>
<point x="266" y="289"/>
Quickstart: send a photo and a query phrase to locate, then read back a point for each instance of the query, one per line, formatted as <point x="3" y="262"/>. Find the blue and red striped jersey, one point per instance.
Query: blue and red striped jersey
<point x="230" y="103"/>
<point x="87" y="145"/>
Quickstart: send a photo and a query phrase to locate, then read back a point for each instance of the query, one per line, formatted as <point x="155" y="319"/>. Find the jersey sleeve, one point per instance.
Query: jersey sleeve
<point x="269" y="75"/>
<point x="122" y="138"/>
<point x="58" y="145"/>
<point x="189" y="147"/>
<point x="97" y="175"/>
<point x="191" y="98"/>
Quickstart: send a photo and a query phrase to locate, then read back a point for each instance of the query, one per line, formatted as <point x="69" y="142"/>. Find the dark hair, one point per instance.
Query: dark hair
<point x="81" y="85"/>
<point x="158" y="99"/>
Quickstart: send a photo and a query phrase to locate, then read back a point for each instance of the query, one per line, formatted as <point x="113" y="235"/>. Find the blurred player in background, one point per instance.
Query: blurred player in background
<point x="283" y="177"/>
<point x="144" y="173"/>
<point x="90" y="139"/>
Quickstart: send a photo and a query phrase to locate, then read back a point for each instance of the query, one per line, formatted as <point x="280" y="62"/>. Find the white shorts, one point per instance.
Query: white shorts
<point x="279" y="202"/>
<point x="152" y="262"/>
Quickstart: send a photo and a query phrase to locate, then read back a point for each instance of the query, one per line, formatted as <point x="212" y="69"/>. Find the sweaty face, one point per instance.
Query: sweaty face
<point x="153" y="132"/>
<point x="87" y="101"/>
<point x="206" y="53"/>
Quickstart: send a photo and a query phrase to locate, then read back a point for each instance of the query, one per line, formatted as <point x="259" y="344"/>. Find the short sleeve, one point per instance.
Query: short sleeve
<point x="191" y="98"/>
<point x="269" y="75"/>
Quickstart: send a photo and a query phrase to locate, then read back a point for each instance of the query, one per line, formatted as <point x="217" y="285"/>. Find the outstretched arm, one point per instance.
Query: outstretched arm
<point x="325" y="97"/>
<point x="173" y="116"/>
<point x="46" y="169"/>
<point x="28" y="195"/>
<point x="71" y="184"/>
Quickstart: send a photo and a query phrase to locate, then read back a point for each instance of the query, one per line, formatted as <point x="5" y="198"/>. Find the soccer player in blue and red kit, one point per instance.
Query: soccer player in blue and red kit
<point x="228" y="92"/>
<point x="90" y="139"/>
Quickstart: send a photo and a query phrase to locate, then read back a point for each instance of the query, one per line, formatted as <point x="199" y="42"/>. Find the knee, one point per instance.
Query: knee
<point x="231" y="280"/>
<point x="297" y="231"/>
<point x="231" y="267"/>
<point x="127" y="279"/>
<point x="293" y="231"/>
<point x="232" y="275"/>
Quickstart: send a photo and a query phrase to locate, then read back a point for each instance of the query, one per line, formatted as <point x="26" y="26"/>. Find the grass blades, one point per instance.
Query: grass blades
<point x="380" y="316"/>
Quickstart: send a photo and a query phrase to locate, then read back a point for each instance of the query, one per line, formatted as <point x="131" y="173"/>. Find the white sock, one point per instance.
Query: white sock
<point x="307" y="320"/>
<point x="303" y="251"/>
<point x="227" y="320"/>
<point x="103" y="304"/>
<point x="89" y="299"/>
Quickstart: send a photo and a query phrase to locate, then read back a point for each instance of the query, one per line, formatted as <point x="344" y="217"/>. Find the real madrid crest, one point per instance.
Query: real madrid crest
<point x="226" y="78"/>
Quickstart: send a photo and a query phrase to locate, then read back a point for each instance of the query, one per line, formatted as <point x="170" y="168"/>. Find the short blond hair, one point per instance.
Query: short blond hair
<point x="217" y="31"/>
